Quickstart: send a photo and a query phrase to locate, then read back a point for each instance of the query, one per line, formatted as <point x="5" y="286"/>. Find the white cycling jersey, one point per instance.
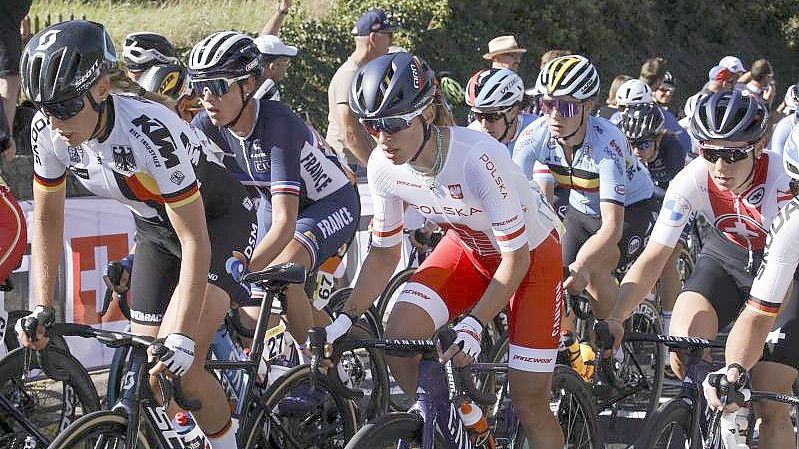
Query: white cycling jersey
<point x="479" y="193"/>
<point x="775" y="275"/>
<point x="150" y="159"/>
<point x="743" y="219"/>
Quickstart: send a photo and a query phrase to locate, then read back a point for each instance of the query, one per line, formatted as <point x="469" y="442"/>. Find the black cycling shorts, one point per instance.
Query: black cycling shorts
<point x="11" y="14"/>
<point x="156" y="267"/>
<point x="639" y="218"/>
<point x="723" y="275"/>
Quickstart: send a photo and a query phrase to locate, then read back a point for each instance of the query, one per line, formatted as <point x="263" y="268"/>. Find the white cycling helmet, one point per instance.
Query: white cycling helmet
<point x="225" y="53"/>
<point x="690" y="105"/>
<point x="494" y="89"/>
<point x="571" y="75"/>
<point x="791" y="99"/>
<point x="143" y="50"/>
<point x="633" y="92"/>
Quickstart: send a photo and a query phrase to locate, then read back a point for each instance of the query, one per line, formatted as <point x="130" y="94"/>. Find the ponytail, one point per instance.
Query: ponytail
<point x="121" y="84"/>
<point x="443" y="114"/>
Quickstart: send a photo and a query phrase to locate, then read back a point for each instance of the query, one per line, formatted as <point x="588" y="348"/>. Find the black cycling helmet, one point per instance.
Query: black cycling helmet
<point x="143" y="50"/>
<point x="64" y="60"/>
<point x="392" y="84"/>
<point x="170" y="80"/>
<point x="225" y="54"/>
<point x="731" y="115"/>
<point x="642" y="122"/>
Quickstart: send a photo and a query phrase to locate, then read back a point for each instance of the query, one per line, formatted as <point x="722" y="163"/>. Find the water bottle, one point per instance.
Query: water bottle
<point x="734" y="427"/>
<point x="573" y="351"/>
<point x="189" y="432"/>
<point x="476" y="425"/>
<point x="588" y="356"/>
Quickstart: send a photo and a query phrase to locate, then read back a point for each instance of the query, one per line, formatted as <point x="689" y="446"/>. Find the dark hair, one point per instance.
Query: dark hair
<point x="653" y="70"/>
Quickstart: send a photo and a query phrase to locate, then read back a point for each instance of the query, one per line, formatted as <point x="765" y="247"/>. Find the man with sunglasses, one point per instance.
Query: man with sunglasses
<point x="609" y="212"/>
<point x="308" y="207"/>
<point x="740" y="189"/>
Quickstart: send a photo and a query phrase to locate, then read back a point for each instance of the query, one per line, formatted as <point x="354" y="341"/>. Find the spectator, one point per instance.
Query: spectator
<point x="274" y="23"/>
<point x="11" y="14"/>
<point x="736" y="67"/>
<point x="504" y="53"/>
<point x="719" y="78"/>
<point x="373" y="36"/>
<point x="553" y="54"/>
<point x="143" y="50"/>
<point x="653" y="71"/>
<point x="665" y="93"/>
<point x="276" y="59"/>
<point x="762" y="83"/>
<point x="610" y="103"/>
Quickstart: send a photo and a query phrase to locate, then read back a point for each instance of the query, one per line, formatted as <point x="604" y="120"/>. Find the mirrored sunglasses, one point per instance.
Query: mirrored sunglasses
<point x="491" y="116"/>
<point x="390" y="125"/>
<point x="216" y="86"/>
<point x="566" y="109"/>
<point x="729" y="155"/>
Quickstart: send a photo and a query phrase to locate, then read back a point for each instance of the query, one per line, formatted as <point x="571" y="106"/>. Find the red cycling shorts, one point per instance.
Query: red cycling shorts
<point x="13" y="234"/>
<point x="453" y="279"/>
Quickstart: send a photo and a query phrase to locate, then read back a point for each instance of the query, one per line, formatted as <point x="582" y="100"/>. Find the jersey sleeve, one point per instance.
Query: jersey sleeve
<point x="525" y="151"/>
<point x="612" y="166"/>
<point x="678" y="205"/>
<point x="674" y="155"/>
<point x="170" y="167"/>
<point x="776" y="272"/>
<point x="542" y="174"/>
<point x="489" y="176"/>
<point x="387" y="209"/>
<point x="285" y="177"/>
<point x="49" y="172"/>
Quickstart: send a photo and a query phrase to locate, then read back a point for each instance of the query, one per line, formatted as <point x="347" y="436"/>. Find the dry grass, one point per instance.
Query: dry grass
<point x="184" y="22"/>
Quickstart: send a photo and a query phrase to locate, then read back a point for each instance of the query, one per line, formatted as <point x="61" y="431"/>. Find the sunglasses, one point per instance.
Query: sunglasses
<point x="216" y="86"/>
<point x="729" y="155"/>
<point x="491" y="116"/>
<point x="643" y="145"/>
<point x="567" y="109"/>
<point x="64" y="110"/>
<point x="390" y="125"/>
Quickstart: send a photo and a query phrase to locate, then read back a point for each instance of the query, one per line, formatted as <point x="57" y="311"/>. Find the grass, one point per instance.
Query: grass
<point x="183" y="22"/>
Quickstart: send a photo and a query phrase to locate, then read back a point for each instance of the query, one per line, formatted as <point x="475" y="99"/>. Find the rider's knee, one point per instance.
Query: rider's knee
<point x="774" y="415"/>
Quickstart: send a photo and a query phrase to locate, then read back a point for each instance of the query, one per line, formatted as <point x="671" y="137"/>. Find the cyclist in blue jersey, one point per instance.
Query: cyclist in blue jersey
<point x="786" y="125"/>
<point x="610" y="206"/>
<point x="307" y="202"/>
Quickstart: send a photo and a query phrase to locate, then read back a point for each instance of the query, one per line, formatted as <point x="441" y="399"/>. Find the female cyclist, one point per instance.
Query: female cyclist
<point x="309" y="208"/>
<point x="190" y="214"/>
<point x="500" y="249"/>
<point x="740" y="189"/>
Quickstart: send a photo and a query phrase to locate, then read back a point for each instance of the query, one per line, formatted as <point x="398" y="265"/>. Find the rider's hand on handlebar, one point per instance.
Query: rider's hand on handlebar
<point x="577" y="280"/>
<point x="616" y="328"/>
<point x="174" y="354"/>
<point x="466" y="347"/>
<point x="735" y="376"/>
<point x="32" y="329"/>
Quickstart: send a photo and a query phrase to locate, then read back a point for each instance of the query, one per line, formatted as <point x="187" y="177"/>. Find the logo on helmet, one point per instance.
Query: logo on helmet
<point x="415" y="76"/>
<point x="47" y="40"/>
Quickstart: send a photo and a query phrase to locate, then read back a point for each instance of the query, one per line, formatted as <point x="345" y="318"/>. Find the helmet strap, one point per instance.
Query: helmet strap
<point x="100" y="108"/>
<point x="428" y="128"/>
<point x="244" y="101"/>
<point x="508" y="126"/>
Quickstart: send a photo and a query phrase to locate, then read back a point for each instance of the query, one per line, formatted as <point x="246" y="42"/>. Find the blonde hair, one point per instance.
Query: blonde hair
<point x="443" y="114"/>
<point x="614" y="87"/>
<point x="121" y="84"/>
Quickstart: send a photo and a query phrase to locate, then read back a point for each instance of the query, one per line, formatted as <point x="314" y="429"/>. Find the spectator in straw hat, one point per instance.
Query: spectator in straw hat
<point x="11" y="15"/>
<point x="504" y="53"/>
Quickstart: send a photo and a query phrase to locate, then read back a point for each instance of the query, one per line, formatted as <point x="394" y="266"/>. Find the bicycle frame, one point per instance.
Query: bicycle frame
<point x="7" y="410"/>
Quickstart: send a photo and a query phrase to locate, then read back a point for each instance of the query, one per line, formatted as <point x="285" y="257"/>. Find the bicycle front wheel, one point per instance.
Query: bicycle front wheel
<point x="669" y="427"/>
<point x="393" y="430"/>
<point x="293" y="414"/>
<point x="103" y="429"/>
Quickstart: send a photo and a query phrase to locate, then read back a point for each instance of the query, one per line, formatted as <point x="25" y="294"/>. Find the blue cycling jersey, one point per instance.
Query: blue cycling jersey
<point x="281" y="155"/>
<point x="669" y="160"/>
<point x="602" y="168"/>
<point x="781" y="133"/>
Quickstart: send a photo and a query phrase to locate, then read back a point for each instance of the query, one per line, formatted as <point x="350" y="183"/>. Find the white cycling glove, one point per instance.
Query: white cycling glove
<point x="179" y="354"/>
<point x="340" y="326"/>
<point x="468" y="334"/>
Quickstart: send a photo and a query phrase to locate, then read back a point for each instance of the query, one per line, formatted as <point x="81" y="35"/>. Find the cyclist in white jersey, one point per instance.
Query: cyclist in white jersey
<point x="770" y="316"/>
<point x="610" y="200"/>
<point x="190" y="214"/>
<point x="500" y="249"/>
<point x="739" y="188"/>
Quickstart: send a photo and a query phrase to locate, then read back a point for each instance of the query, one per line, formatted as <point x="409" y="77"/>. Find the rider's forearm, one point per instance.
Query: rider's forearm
<point x="640" y="279"/>
<point x="600" y="248"/>
<point x="275" y="240"/>
<point x="376" y="270"/>
<point x="745" y="342"/>
<point x="47" y="243"/>
<point x="512" y="269"/>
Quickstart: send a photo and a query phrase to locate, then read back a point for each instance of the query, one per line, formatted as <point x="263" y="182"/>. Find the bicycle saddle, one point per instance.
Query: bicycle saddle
<point x="287" y="273"/>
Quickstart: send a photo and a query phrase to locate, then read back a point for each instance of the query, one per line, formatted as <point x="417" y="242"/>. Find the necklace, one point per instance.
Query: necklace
<point x="430" y="175"/>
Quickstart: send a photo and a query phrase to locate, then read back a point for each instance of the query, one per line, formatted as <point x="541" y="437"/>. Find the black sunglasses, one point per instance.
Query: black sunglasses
<point x="491" y="116"/>
<point x="728" y="155"/>
<point x="63" y="110"/>
<point x="390" y="125"/>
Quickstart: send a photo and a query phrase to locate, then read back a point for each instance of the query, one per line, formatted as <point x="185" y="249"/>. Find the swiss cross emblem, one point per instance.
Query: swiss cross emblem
<point x="455" y="191"/>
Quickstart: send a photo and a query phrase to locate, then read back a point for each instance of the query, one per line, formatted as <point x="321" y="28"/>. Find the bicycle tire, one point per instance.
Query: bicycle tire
<point x="394" y="283"/>
<point x="74" y="380"/>
<point x="262" y="431"/>
<point x="387" y="430"/>
<point x="658" y="432"/>
<point x="105" y="422"/>
<point x="116" y="376"/>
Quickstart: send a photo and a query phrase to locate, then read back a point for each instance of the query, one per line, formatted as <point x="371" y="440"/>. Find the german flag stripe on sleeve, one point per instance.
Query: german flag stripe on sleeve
<point x="183" y="196"/>
<point x="49" y="185"/>
<point x="763" y="307"/>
